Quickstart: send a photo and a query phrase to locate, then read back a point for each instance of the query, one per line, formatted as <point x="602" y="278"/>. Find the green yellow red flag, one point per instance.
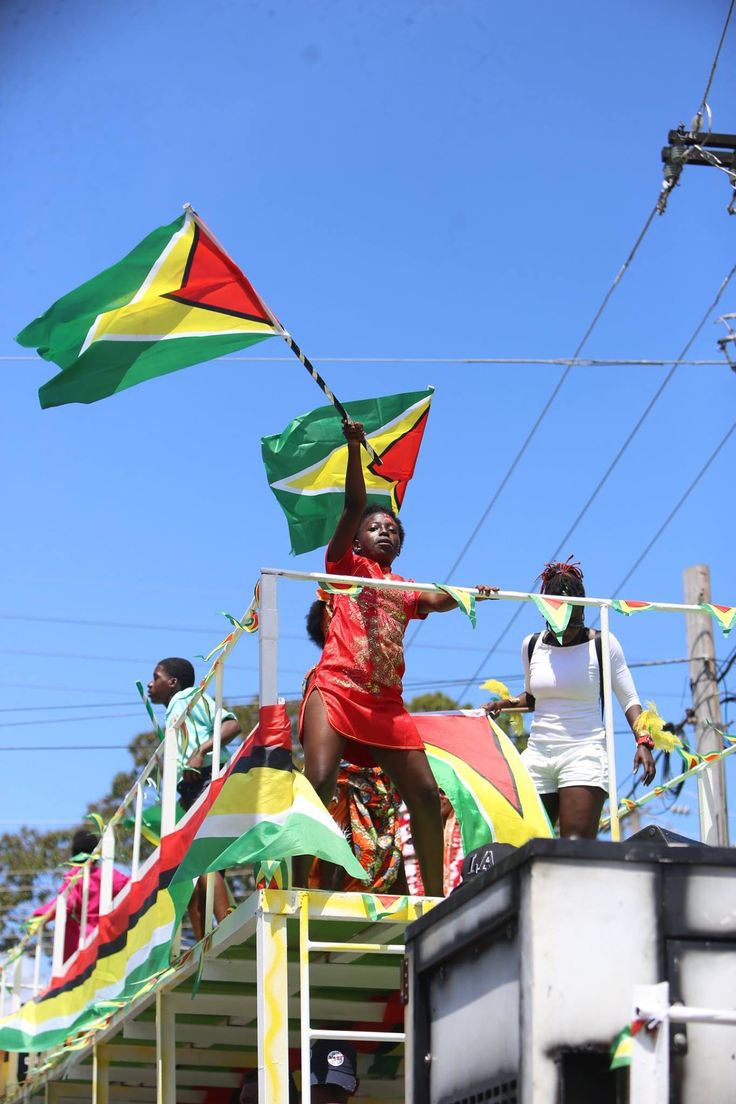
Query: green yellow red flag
<point x="177" y="299"/>
<point x="465" y="600"/>
<point x="480" y="770"/>
<point x="623" y="605"/>
<point x="306" y="464"/>
<point x="555" y="611"/>
<point x="724" y="615"/>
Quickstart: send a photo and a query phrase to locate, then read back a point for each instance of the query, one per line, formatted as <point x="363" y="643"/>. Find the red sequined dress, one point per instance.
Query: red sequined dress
<point x="362" y="665"/>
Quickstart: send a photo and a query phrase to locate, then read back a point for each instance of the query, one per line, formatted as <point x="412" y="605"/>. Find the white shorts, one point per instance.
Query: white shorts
<point x="553" y="767"/>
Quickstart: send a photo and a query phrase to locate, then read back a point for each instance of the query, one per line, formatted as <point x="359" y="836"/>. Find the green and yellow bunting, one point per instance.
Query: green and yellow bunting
<point x="724" y="615"/>
<point x="555" y="611"/>
<point x="621" y="1049"/>
<point x="694" y="764"/>
<point x="624" y="605"/>
<point x="465" y="600"/>
<point x="350" y="590"/>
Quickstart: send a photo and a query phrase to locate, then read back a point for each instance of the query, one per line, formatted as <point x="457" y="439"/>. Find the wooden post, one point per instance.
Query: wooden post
<point x="706" y="706"/>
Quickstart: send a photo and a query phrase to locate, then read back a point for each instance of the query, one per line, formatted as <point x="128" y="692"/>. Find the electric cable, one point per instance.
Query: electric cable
<point x="548" y="404"/>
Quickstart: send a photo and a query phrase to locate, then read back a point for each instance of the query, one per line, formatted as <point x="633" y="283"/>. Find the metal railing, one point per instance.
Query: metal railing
<point x="264" y="610"/>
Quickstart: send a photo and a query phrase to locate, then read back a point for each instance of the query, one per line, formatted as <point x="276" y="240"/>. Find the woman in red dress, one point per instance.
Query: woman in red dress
<point x="353" y="707"/>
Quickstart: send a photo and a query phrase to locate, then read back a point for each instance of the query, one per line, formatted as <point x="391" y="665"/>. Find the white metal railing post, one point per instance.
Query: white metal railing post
<point x="305" y="1015"/>
<point x="37" y="959"/>
<point x="137" y="832"/>
<point x="57" y="955"/>
<point x="2" y="990"/>
<point x="608" y="723"/>
<point x="650" y="1049"/>
<point x="85" y="903"/>
<point x="165" y="1050"/>
<point x="168" y="788"/>
<point x="268" y="643"/>
<point x="209" y="900"/>
<point x="107" y="861"/>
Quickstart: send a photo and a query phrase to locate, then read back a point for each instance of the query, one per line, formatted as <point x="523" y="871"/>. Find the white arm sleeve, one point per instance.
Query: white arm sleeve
<point x="623" y="683"/>
<point x="525" y="661"/>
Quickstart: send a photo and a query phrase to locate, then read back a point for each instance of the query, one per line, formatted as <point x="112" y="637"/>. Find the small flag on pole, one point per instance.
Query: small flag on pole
<point x="306" y="464"/>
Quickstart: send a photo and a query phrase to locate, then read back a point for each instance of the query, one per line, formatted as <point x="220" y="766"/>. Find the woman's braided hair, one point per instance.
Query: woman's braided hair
<point x="563" y="579"/>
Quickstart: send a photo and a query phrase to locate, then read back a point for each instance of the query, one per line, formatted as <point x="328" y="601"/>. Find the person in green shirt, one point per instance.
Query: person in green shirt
<point x="173" y="686"/>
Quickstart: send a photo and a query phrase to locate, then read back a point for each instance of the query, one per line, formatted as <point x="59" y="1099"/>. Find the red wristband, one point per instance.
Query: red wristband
<point x="645" y="741"/>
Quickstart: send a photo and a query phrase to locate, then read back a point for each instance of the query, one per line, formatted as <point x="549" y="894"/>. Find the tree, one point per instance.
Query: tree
<point x="436" y="702"/>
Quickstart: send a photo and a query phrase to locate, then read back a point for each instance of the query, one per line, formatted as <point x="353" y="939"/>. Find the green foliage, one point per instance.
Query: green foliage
<point x="435" y="702"/>
<point x="30" y="869"/>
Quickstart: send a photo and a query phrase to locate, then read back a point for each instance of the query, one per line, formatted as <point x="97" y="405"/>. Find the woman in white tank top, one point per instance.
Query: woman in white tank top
<point x="566" y="755"/>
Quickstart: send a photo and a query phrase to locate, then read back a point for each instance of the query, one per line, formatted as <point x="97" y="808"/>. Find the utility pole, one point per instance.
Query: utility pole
<point x="706" y="706"/>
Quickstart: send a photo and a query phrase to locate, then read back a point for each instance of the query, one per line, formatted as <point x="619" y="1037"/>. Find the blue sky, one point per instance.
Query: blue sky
<point x="406" y="181"/>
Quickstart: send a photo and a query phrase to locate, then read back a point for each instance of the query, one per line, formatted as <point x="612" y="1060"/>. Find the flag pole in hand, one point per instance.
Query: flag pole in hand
<point x="376" y="459"/>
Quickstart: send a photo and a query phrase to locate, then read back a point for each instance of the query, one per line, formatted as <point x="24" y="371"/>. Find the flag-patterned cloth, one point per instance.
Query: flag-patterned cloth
<point x="480" y="770"/>
<point x="465" y="600"/>
<point x="177" y="299"/>
<point x="306" y="464"/>
<point x="555" y="611"/>
<point x="724" y="615"/>
<point x="259" y="811"/>
<point x="624" y="605"/>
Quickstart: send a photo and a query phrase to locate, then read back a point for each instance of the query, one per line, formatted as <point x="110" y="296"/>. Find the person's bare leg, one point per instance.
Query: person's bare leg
<point x="221" y="904"/>
<point x="323" y="749"/>
<point x="580" y="811"/>
<point x="196" y="912"/>
<point x="551" y="802"/>
<point x="412" y="775"/>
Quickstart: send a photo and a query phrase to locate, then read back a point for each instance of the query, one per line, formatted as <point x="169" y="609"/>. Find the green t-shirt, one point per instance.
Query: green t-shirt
<point x="198" y="726"/>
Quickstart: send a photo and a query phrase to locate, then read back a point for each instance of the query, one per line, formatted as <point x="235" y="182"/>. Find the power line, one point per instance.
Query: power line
<point x="601" y="482"/>
<point x="713" y="67"/>
<point x="676" y="508"/>
<point x="573" y="362"/>
<point x="67" y="747"/>
<point x="72" y="720"/>
<point x="548" y="404"/>
<point x="643" y="416"/>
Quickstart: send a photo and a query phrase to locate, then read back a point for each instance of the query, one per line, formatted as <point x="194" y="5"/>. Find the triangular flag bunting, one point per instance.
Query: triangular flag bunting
<point x="555" y="611"/>
<point x="724" y="615"/>
<point x="465" y="600"/>
<point x="622" y="605"/>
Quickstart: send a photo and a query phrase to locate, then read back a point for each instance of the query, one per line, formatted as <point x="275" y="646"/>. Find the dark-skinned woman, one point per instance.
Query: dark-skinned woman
<point x="566" y="755"/>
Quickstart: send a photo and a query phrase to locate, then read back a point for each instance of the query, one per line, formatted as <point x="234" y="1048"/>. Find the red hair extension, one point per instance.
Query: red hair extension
<point x="557" y="568"/>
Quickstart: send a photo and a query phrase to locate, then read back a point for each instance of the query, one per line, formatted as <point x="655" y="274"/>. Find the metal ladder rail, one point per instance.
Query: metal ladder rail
<point x="308" y="1033"/>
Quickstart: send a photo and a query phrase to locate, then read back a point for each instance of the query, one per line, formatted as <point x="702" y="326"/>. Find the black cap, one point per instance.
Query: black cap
<point x="334" y="1063"/>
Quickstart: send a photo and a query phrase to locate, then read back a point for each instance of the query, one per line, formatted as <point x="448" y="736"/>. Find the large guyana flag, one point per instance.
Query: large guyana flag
<point x="306" y="464"/>
<point x="176" y="300"/>
<point x="482" y="773"/>
<point x="260" y="810"/>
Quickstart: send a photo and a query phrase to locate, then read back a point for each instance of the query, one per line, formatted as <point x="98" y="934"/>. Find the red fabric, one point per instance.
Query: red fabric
<point x="359" y="674"/>
<point x="473" y="740"/>
<point x="74" y="904"/>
